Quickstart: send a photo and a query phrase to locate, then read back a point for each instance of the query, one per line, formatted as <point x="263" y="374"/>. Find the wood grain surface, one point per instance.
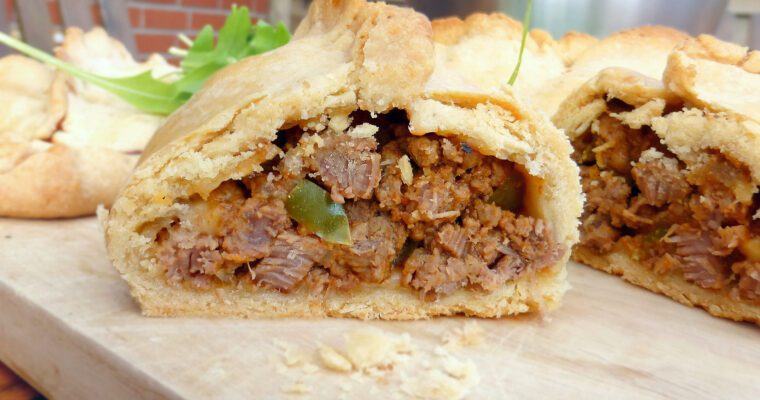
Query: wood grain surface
<point x="69" y="326"/>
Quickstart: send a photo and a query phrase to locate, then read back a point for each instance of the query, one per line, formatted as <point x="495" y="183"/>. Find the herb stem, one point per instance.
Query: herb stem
<point x="176" y="51"/>
<point x="46" y="58"/>
<point x="184" y="39"/>
<point x="526" y="26"/>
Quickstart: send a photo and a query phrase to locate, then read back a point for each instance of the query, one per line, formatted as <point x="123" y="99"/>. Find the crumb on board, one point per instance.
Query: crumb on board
<point x="296" y="388"/>
<point x="390" y="360"/>
<point x="333" y="360"/>
<point x="374" y="348"/>
<point x="469" y="335"/>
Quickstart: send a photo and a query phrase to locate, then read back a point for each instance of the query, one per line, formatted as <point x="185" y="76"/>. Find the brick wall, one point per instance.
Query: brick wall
<point x="156" y="23"/>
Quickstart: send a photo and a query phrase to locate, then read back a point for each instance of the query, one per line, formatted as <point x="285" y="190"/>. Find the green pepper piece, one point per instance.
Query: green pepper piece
<point x="510" y="195"/>
<point x="655" y="235"/>
<point x="312" y="207"/>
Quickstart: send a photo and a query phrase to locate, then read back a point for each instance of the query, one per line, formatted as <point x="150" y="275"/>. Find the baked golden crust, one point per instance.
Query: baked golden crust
<point x="345" y="55"/>
<point x="60" y="181"/>
<point x="717" y="303"/>
<point x="484" y="49"/>
<point x="573" y="44"/>
<point x="711" y="74"/>
<point x="67" y="146"/>
<point x="644" y="50"/>
<point x="33" y="98"/>
<point x="697" y="109"/>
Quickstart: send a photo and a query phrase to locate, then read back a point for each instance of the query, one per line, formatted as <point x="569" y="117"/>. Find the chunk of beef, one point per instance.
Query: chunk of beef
<point x="606" y="193"/>
<point x="251" y="235"/>
<point x="187" y="254"/>
<point x="531" y="239"/>
<point x="692" y="248"/>
<point x="291" y="258"/>
<point x="491" y="247"/>
<point x="486" y="176"/>
<point x="617" y="145"/>
<point x="433" y="273"/>
<point x="433" y="199"/>
<point x="660" y="180"/>
<point x="423" y="150"/>
<point x="749" y="279"/>
<point x="453" y="239"/>
<point x="725" y="193"/>
<point x="376" y="242"/>
<point x="349" y="166"/>
<point x="727" y="239"/>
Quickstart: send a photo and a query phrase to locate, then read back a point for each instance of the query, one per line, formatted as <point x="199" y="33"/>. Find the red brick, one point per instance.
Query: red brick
<point x="261" y="6"/>
<point x="153" y="43"/>
<point x="201" y="20"/>
<point x="8" y="4"/>
<point x="201" y="3"/>
<point x="175" y="61"/>
<point x="97" y="18"/>
<point x="156" y="1"/>
<point x="55" y="14"/>
<point x="135" y="15"/>
<point x="164" y="19"/>
<point x="229" y="3"/>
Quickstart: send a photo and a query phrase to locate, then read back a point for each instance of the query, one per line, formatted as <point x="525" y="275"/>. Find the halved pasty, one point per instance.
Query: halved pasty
<point x="334" y="177"/>
<point x="670" y="173"/>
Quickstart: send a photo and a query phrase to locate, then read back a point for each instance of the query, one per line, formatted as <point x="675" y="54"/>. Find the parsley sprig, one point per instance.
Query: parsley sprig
<point x="526" y="26"/>
<point x="238" y="38"/>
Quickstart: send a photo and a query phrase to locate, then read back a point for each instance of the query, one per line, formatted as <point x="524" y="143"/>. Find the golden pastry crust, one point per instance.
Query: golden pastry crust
<point x="67" y="146"/>
<point x="717" y="303"/>
<point x="60" y="181"/>
<point x="717" y="76"/>
<point x="584" y="105"/>
<point x="484" y="49"/>
<point x="696" y="127"/>
<point x="644" y="50"/>
<point x="345" y="55"/>
<point x="573" y="44"/>
<point x="33" y="98"/>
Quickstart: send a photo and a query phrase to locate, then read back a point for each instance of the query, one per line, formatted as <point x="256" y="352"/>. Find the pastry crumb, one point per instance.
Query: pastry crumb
<point x="451" y="379"/>
<point x="373" y="348"/>
<point x="375" y="360"/>
<point x="334" y="360"/>
<point x="469" y="335"/>
<point x="296" y="388"/>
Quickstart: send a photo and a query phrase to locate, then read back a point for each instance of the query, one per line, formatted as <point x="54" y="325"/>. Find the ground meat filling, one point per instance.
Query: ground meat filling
<point x="640" y="198"/>
<point x="416" y="204"/>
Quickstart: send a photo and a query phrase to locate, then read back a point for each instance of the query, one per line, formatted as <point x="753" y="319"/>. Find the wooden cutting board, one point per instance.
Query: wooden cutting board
<point x="69" y="326"/>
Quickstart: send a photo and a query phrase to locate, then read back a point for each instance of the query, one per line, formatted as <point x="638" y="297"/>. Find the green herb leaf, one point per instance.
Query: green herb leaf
<point x="313" y="208"/>
<point x="238" y="39"/>
<point x="267" y="37"/>
<point x="142" y="90"/>
<point x="526" y="26"/>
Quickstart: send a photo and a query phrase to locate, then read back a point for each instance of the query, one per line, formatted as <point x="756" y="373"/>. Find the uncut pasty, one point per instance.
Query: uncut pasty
<point x="334" y="177"/>
<point x="66" y="146"/>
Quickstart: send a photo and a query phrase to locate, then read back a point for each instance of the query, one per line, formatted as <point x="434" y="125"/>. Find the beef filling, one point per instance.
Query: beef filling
<point x="418" y="204"/>
<point x="697" y="221"/>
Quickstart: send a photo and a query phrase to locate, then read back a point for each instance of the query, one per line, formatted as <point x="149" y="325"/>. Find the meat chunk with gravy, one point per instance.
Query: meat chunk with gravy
<point x="349" y="166"/>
